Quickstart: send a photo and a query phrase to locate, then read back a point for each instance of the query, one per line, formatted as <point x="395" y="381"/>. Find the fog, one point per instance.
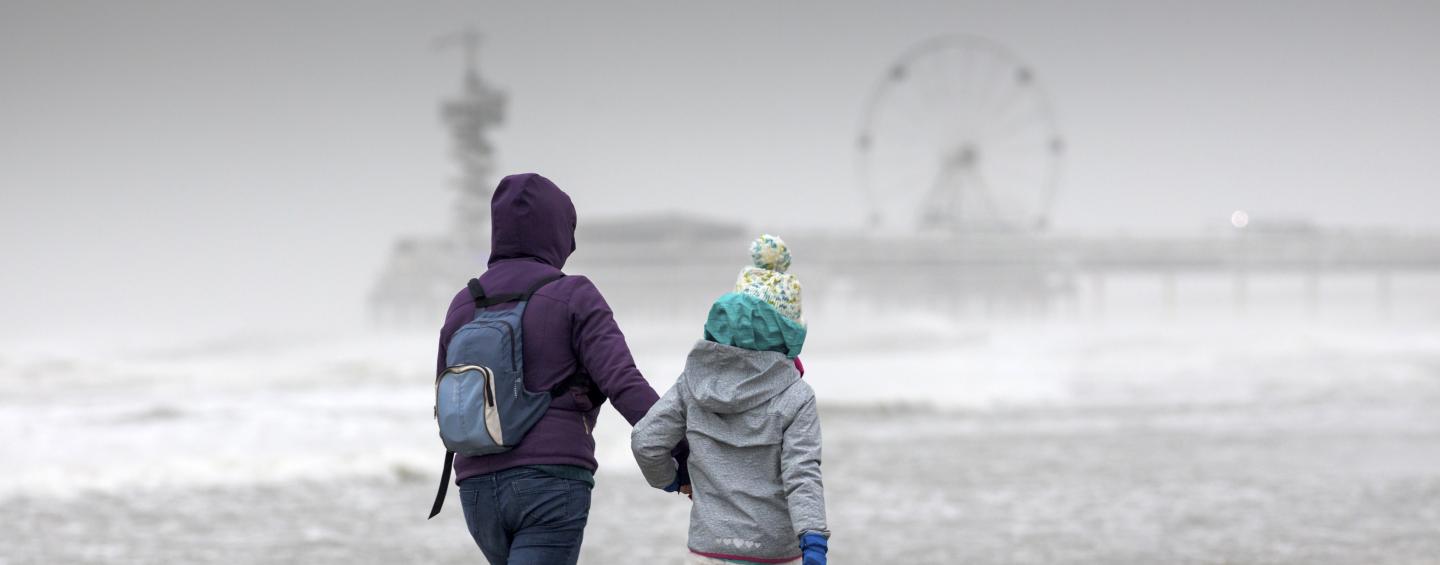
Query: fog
<point x="1195" y="321"/>
<point x="253" y="160"/>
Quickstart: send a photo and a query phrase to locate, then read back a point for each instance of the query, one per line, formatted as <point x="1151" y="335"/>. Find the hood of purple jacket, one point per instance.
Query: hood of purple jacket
<point x="530" y="217"/>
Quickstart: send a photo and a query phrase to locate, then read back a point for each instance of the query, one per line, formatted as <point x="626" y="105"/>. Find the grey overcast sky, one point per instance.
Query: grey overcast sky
<point x="219" y="164"/>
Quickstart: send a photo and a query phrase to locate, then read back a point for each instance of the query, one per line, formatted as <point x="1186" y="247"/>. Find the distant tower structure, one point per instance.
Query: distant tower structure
<point x="470" y="117"/>
<point x="422" y="272"/>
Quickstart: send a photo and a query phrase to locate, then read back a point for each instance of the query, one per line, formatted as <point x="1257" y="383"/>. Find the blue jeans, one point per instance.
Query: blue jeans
<point x="524" y="516"/>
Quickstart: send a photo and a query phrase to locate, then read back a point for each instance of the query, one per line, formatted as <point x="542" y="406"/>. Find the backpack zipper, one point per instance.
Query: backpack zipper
<point x="503" y="328"/>
<point x="489" y="387"/>
<point x="484" y="372"/>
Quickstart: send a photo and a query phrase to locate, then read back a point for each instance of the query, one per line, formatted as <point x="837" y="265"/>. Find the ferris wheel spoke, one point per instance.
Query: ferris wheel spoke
<point x="1003" y="99"/>
<point x="959" y="114"/>
<point x="1023" y="139"/>
<point x="1016" y="125"/>
<point x="940" y="90"/>
<point x="974" y="80"/>
<point x="997" y="85"/>
<point x="981" y="82"/>
<point x="1013" y="109"/>
<point x="958" y="118"/>
<point x="963" y="121"/>
<point x="1020" y="106"/>
<point x="963" y="76"/>
<point x="917" y="127"/>
<point x="925" y="94"/>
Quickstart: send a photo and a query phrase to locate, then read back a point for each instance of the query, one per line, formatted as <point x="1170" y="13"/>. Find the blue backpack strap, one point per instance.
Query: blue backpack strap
<point x="482" y="301"/>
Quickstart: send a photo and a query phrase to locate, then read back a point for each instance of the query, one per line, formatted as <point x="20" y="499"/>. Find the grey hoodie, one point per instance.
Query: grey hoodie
<point x="754" y="451"/>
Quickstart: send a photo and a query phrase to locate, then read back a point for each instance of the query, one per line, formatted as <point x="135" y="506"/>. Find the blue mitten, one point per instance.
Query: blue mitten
<point x="674" y="485"/>
<point x="814" y="546"/>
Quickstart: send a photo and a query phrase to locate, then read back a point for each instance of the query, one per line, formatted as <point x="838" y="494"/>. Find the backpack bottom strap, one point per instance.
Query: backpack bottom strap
<point x="444" y="484"/>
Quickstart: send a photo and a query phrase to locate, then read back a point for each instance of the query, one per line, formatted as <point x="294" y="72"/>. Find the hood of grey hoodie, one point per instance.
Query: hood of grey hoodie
<point x="733" y="392"/>
<point x="729" y="380"/>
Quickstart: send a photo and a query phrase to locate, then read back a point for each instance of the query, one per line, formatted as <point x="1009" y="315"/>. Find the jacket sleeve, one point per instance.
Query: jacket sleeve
<point x="597" y="340"/>
<point x="445" y="335"/>
<point x="655" y="437"/>
<point x="800" y="471"/>
<point x="440" y="362"/>
<point x="455" y="317"/>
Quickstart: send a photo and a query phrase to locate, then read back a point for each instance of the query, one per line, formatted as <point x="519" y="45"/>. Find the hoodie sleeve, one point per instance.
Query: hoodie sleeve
<point x="455" y="317"/>
<point x="440" y="361"/>
<point x="597" y="340"/>
<point x="800" y="470"/>
<point x="655" y="437"/>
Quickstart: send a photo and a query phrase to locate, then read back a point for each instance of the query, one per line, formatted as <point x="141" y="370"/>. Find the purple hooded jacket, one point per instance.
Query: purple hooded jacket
<point x="567" y="325"/>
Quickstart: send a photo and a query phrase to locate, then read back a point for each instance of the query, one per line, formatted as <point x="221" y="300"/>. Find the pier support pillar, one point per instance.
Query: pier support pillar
<point x="1241" y="292"/>
<point x="1312" y="294"/>
<point x="1168" y="294"/>
<point x="1097" y="294"/>
<point x="1382" y="291"/>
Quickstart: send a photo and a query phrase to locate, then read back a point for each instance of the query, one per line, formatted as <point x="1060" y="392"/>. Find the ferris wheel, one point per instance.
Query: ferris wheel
<point x="958" y="135"/>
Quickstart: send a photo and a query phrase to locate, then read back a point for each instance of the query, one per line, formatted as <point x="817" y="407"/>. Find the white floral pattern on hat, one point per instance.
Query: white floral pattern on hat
<point x="767" y="280"/>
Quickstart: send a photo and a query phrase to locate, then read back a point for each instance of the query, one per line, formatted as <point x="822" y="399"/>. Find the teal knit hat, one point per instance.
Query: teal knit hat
<point x="747" y="322"/>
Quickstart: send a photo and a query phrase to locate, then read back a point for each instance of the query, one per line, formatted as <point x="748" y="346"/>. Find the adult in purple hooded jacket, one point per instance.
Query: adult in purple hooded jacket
<point x="530" y="504"/>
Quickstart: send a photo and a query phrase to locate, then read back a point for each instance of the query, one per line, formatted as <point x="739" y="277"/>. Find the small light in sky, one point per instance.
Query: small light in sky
<point x="1239" y="219"/>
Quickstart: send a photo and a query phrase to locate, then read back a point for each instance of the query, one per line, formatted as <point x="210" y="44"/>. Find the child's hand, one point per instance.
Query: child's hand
<point x="687" y="490"/>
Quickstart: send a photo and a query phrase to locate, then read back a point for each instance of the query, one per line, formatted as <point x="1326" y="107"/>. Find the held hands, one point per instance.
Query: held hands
<point x="681" y="484"/>
<point x="675" y="486"/>
<point x="814" y="546"/>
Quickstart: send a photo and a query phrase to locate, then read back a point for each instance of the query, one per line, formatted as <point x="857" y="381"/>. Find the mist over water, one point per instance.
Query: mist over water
<point x="230" y="231"/>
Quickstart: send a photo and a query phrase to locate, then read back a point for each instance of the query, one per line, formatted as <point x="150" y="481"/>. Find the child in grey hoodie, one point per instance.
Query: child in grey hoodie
<point x="751" y="422"/>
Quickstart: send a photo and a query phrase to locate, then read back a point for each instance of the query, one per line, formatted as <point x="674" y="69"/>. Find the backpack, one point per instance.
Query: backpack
<point x="481" y="404"/>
